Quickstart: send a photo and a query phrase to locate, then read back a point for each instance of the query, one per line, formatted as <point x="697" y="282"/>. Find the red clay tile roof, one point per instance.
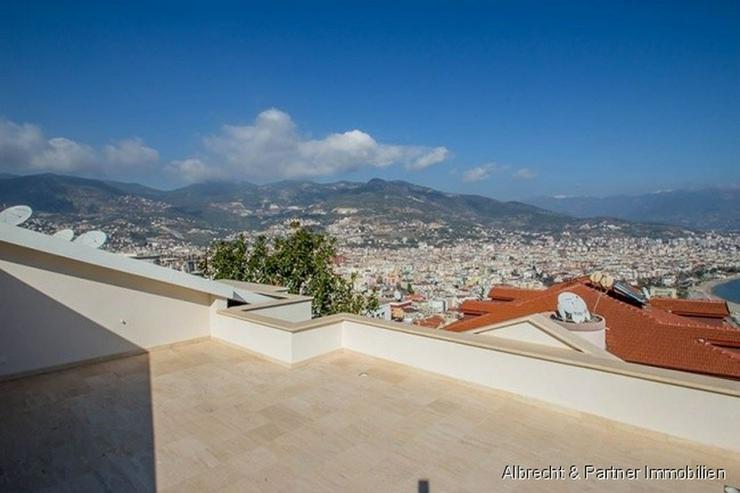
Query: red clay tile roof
<point x="477" y="307"/>
<point x="649" y="335"/>
<point x="693" y="308"/>
<point x="511" y="293"/>
<point x="433" y="322"/>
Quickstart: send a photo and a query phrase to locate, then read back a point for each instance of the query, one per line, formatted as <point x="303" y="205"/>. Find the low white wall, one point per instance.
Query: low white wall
<point x="315" y="342"/>
<point x="281" y="345"/>
<point x="57" y="311"/>
<point x="693" y="414"/>
<point x="273" y="343"/>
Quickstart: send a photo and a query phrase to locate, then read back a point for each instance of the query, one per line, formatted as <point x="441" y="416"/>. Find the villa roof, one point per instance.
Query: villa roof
<point x="650" y="335"/>
<point x="692" y="308"/>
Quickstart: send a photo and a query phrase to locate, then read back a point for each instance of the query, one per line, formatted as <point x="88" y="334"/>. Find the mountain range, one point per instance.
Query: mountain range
<point x="704" y="209"/>
<point x="378" y="208"/>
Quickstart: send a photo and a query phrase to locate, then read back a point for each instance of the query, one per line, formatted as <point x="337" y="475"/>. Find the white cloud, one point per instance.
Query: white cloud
<point x="525" y="174"/>
<point x="273" y="148"/>
<point x="130" y="152"/>
<point x="25" y="148"/>
<point x="482" y="172"/>
<point x="62" y="154"/>
<point x="194" y="170"/>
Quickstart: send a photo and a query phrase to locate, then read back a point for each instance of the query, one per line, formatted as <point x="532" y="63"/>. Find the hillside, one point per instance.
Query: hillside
<point x="376" y="209"/>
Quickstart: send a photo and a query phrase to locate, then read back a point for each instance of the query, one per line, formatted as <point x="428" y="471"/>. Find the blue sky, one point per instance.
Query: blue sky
<point x="509" y="100"/>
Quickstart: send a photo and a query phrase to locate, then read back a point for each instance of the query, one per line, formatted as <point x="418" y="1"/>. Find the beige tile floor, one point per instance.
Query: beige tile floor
<point x="207" y="416"/>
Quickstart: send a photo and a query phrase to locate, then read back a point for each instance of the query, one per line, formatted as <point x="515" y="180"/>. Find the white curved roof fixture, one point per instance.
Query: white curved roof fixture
<point x="94" y="239"/>
<point x="572" y="308"/>
<point x="602" y="280"/>
<point x="16" y="215"/>
<point x="64" y="234"/>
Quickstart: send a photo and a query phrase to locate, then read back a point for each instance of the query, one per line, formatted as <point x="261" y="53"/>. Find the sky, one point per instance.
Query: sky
<point x="504" y="99"/>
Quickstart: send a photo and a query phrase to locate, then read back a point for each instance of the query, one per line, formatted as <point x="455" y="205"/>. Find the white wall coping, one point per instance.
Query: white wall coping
<point x="26" y="238"/>
<point x="520" y="348"/>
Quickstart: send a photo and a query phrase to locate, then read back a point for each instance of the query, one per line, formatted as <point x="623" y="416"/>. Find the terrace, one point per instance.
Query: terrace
<point x="121" y="375"/>
<point x="207" y="416"/>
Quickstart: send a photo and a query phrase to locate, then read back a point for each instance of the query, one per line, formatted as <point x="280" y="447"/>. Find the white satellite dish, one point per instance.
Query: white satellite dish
<point x="572" y="308"/>
<point x="602" y="279"/>
<point x="94" y="239"/>
<point x="64" y="234"/>
<point x="16" y="215"/>
<point x="607" y="281"/>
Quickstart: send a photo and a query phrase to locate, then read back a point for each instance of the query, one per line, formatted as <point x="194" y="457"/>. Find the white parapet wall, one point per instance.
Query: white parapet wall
<point x="57" y="311"/>
<point x="693" y="407"/>
<point x="637" y="395"/>
<point x="64" y="303"/>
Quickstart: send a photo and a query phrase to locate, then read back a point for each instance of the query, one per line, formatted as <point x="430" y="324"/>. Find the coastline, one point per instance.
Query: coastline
<point x="706" y="288"/>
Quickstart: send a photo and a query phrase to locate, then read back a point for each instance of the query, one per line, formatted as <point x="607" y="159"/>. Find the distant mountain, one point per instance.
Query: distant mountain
<point x="707" y="209"/>
<point x="387" y="210"/>
<point x="57" y="194"/>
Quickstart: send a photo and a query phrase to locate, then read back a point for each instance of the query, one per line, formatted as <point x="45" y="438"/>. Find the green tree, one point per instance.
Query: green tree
<point x="302" y="262"/>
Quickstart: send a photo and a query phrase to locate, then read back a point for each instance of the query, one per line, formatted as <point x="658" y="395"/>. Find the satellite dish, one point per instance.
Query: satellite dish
<point x="607" y="281"/>
<point x="602" y="280"/>
<point x="16" y="215"/>
<point x="94" y="239"/>
<point x="572" y="308"/>
<point x="64" y="234"/>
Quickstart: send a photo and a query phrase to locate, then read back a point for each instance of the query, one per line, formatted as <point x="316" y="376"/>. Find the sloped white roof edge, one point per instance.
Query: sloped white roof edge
<point x="553" y="330"/>
<point x="33" y="240"/>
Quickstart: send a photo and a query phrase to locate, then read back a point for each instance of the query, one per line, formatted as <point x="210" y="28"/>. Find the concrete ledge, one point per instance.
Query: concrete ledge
<point x="687" y="406"/>
<point x="573" y="358"/>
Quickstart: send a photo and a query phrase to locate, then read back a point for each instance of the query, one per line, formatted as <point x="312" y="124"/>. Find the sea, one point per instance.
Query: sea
<point x="729" y="290"/>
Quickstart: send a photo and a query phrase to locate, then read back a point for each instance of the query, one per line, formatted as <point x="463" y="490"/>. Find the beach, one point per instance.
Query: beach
<point x="707" y="287"/>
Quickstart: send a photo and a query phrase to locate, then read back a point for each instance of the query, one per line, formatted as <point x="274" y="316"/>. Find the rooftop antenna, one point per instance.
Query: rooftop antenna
<point x="94" y="239"/>
<point x="572" y="308"/>
<point x="64" y="234"/>
<point x="16" y="215"/>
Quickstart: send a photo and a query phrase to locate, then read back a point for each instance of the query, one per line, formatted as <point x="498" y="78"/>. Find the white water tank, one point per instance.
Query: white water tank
<point x="593" y="331"/>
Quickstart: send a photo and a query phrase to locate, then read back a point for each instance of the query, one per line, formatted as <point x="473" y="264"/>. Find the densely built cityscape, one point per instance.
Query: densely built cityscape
<point x="436" y="278"/>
